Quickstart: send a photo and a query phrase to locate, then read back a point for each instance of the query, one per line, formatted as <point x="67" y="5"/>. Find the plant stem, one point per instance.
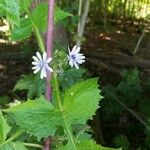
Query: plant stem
<point x="49" y="46"/>
<point x="49" y="42"/>
<point x="82" y="19"/>
<point x="36" y="30"/>
<point x="39" y="38"/>
<point x="33" y="145"/>
<point x="67" y="126"/>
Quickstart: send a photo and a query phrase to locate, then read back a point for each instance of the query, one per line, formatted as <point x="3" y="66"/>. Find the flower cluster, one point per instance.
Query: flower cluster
<point x="41" y="63"/>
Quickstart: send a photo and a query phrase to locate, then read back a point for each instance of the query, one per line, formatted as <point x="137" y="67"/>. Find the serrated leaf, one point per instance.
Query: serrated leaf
<point x="39" y="16"/>
<point x="22" y="32"/>
<point x="12" y="11"/>
<point x="13" y="146"/>
<point x="81" y="101"/>
<point x="37" y="117"/>
<point x="4" y="128"/>
<point x="60" y="15"/>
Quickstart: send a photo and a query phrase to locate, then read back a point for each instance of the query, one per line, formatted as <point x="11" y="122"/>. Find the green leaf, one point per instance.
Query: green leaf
<point x="81" y="101"/>
<point x="91" y="145"/>
<point x="37" y="117"/>
<point x="24" y="5"/>
<point x="22" y="32"/>
<point x="39" y="16"/>
<point x="88" y="145"/>
<point x="4" y="128"/>
<point x="12" y="11"/>
<point x="2" y="8"/>
<point x="33" y="84"/>
<point x="60" y="15"/>
<point x="13" y="146"/>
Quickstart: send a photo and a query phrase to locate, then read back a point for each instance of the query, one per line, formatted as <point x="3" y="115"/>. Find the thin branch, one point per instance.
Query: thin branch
<point x="139" y="42"/>
<point x="82" y="19"/>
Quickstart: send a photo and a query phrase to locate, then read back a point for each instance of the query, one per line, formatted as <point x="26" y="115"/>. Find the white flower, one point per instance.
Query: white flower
<point x="41" y="63"/>
<point x="75" y="58"/>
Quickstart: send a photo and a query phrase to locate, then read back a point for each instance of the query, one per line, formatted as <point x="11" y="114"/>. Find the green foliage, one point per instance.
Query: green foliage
<point x="11" y="10"/>
<point x="71" y="76"/>
<point x="38" y="117"/>
<point x="60" y="15"/>
<point x="39" y="16"/>
<point x="4" y="128"/>
<point x="13" y="146"/>
<point x="22" y="32"/>
<point x="41" y="119"/>
<point x="80" y="95"/>
<point x="33" y="84"/>
<point x="88" y="145"/>
<point x="91" y="145"/>
<point x="24" y="5"/>
<point x="134" y="95"/>
<point x="129" y="91"/>
<point x="122" y="141"/>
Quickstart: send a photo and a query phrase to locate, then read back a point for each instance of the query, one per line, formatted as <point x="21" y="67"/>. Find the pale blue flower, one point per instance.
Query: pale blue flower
<point x="41" y="64"/>
<point x="75" y="58"/>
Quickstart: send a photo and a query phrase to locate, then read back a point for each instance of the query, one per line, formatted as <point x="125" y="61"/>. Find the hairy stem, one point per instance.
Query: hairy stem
<point x="67" y="126"/>
<point x="49" y="46"/>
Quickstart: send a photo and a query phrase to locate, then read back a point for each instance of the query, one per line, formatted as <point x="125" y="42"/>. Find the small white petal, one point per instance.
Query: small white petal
<point x="35" y="63"/>
<point x="44" y="56"/>
<point x="74" y="49"/>
<point x="43" y="73"/>
<point x="76" y="65"/>
<point x="39" y="56"/>
<point x="77" y="50"/>
<point x="49" y="60"/>
<point x="36" y="59"/>
<point x="71" y="62"/>
<point x="49" y="68"/>
<point x="35" y="67"/>
<point x="79" y="61"/>
<point x="37" y="70"/>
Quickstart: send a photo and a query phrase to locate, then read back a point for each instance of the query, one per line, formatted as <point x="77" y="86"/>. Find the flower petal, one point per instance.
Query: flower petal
<point x="43" y="73"/>
<point x="39" y="56"/>
<point x="49" y="60"/>
<point x="37" y="70"/>
<point x="35" y="67"/>
<point x="76" y="65"/>
<point x="71" y="62"/>
<point x="49" y="68"/>
<point x="44" y="56"/>
<point x="74" y="49"/>
<point x="36" y="59"/>
<point x="35" y="63"/>
<point x="77" y="50"/>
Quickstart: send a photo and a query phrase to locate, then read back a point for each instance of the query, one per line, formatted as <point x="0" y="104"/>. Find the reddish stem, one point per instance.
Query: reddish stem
<point x="49" y="45"/>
